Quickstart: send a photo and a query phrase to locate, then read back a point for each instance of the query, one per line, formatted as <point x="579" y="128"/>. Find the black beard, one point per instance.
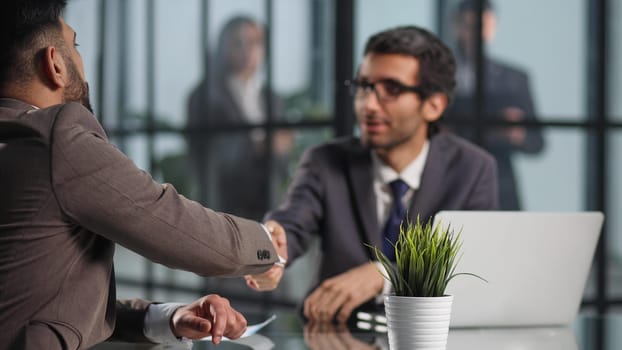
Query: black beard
<point x="78" y="89"/>
<point x="85" y="100"/>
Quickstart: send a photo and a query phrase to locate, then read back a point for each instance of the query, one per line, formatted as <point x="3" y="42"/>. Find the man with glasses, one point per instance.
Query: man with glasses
<point x="343" y="191"/>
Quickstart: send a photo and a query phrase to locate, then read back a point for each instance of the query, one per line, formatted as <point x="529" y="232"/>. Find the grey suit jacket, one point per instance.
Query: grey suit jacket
<point x="67" y="196"/>
<point x="332" y="197"/>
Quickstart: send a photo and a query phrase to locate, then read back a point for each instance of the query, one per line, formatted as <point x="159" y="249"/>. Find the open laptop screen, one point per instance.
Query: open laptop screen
<point x="536" y="264"/>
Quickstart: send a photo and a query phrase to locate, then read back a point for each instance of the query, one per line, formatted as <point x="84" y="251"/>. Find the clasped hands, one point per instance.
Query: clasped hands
<point x="336" y="297"/>
<point x="270" y="279"/>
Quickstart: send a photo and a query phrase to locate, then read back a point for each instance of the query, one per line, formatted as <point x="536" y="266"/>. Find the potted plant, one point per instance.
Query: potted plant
<point x="418" y="312"/>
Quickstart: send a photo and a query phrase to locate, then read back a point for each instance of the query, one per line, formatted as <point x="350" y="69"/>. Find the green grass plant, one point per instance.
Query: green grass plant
<point x="426" y="259"/>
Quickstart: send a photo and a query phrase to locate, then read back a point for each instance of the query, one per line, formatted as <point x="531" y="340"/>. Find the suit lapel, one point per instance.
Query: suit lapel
<point x="219" y="94"/>
<point x="430" y="192"/>
<point x="362" y="189"/>
<point x="234" y="111"/>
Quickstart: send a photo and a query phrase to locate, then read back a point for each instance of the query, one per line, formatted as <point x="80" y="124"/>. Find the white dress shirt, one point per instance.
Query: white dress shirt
<point x="157" y="327"/>
<point x="247" y="94"/>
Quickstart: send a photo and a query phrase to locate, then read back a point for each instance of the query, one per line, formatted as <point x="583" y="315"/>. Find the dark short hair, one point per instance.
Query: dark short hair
<point x="437" y="66"/>
<point x="26" y="26"/>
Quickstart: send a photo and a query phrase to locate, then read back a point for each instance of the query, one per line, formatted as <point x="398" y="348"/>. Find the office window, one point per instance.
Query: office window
<point x="135" y="85"/>
<point x="516" y="52"/>
<point x="614" y="222"/>
<point x="177" y="58"/>
<point x="372" y="16"/>
<point x="136" y="147"/>
<point x="554" y="179"/>
<point x="154" y="56"/>
<point x="515" y="82"/>
<point x="302" y="140"/>
<point x="145" y="60"/>
<point x="563" y="62"/>
<point x="84" y="17"/>
<point x="614" y="59"/>
<point x="614" y="161"/>
<point x="129" y="265"/>
<point x="172" y="163"/>
<point x="302" y="49"/>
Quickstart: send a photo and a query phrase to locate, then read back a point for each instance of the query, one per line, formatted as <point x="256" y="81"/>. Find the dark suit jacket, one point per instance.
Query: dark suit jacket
<point x="505" y="86"/>
<point x="241" y="163"/>
<point x="67" y="196"/>
<point x="332" y="196"/>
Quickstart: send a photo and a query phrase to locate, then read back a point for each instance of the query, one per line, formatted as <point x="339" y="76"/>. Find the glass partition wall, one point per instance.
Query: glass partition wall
<point x="221" y="97"/>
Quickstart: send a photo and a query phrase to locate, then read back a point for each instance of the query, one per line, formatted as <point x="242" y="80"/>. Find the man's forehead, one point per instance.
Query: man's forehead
<point x="398" y="67"/>
<point x="388" y="62"/>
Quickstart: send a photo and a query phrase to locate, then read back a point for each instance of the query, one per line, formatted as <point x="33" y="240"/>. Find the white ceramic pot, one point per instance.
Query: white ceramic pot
<point x="418" y="322"/>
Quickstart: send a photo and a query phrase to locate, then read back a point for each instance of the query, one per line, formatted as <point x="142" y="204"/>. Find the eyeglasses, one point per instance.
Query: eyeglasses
<point x="385" y="89"/>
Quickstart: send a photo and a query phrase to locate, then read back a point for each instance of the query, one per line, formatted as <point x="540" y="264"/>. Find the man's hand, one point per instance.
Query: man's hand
<point x="516" y="134"/>
<point x="343" y="293"/>
<point x="279" y="239"/>
<point x="209" y="315"/>
<point x="270" y="279"/>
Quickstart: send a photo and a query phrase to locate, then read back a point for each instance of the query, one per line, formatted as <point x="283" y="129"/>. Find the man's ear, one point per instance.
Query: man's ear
<point x="434" y="106"/>
<point x="54" y="68"/>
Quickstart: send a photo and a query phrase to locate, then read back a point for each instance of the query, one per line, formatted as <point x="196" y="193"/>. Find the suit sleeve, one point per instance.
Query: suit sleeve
<point x="534" y="142"/>
<point x="302" y="210"/>
<point x="518" y="96"/>
<point x="485" y="192"/>
<point x="102" y="190"/>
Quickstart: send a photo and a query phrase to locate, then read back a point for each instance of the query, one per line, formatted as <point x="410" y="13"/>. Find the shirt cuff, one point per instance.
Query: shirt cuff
<point x="282" y="261"/>
<point x="157" y="326"/>
<point x="386" y="287"/>
<point x="266" y="231"/>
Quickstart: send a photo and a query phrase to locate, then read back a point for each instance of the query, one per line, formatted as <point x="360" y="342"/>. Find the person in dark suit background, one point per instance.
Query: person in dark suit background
<point x="68" y="195"/>
<point x="507" y="96"/>
<point x="231" y="165"/>
<point x="342" y="190"/>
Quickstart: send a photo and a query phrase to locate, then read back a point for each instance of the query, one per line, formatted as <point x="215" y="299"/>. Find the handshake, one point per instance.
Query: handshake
<point x="270" y="279"/>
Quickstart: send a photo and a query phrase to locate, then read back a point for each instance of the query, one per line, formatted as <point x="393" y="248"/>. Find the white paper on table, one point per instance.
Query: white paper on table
<point x="250" y="330"/>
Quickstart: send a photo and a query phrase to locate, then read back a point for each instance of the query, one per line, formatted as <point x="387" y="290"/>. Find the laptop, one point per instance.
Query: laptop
<point x="536" y="265"/>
